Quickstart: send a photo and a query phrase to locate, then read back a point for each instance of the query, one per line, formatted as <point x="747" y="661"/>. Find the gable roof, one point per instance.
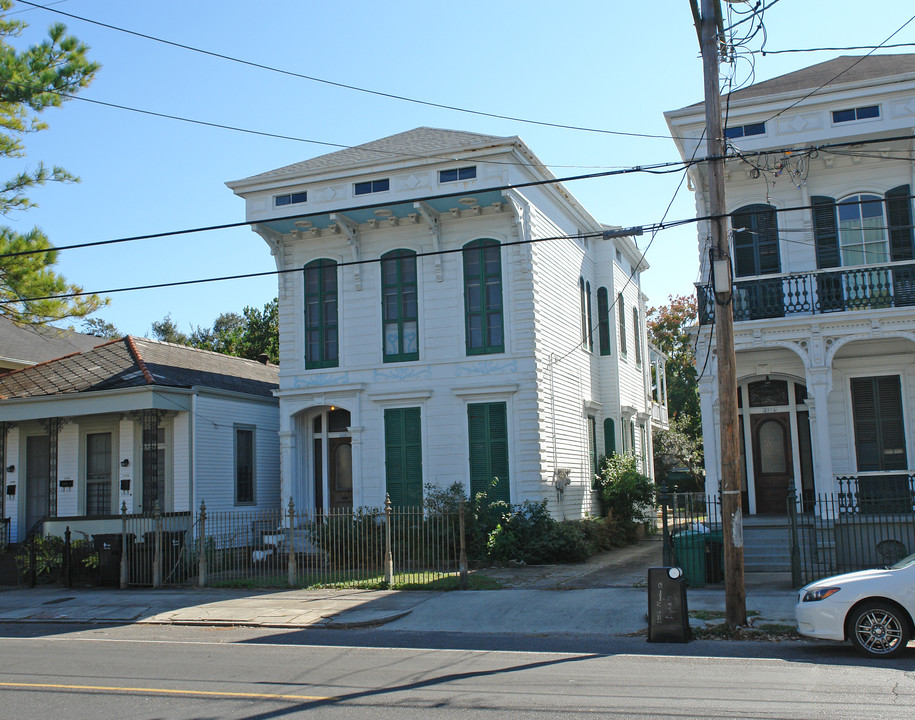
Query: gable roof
<point x="419" y="143"/>
<point x="28" y="344"/>
<point x="844" y="70"/>
<point x="138" y="362"/>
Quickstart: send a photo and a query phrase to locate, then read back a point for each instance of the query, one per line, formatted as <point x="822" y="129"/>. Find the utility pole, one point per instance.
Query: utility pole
<point x="711" y="30"/>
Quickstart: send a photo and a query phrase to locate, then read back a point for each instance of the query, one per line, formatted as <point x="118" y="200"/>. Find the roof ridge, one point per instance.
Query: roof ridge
<point x="135" y="352"/>
<point x="191" y="348"/>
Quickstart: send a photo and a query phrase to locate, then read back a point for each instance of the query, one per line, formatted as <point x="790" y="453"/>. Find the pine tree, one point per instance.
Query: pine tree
<point x="31" y="80"/>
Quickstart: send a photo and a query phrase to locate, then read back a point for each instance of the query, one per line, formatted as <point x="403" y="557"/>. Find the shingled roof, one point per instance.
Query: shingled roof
<point x="26" y="344"/>
<point x="843" y="70"/>
<point x="139" y="362"/>
<point x="420" y="142"/>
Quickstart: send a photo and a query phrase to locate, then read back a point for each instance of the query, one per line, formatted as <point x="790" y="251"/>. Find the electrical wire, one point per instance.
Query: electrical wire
<point x="833" y="49"/>
<point x="345" y="86"/>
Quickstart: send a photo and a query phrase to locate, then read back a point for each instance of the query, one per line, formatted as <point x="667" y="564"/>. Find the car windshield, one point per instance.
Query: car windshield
<point x="905" y="562"/>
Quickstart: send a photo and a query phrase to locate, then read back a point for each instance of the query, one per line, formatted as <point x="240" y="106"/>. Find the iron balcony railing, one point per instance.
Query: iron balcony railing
<point x="863" y="287"/>
<point x="870" y="493"/>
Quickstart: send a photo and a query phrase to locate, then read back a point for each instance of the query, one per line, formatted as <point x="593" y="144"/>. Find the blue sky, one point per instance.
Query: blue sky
<point x="600" y="64"/>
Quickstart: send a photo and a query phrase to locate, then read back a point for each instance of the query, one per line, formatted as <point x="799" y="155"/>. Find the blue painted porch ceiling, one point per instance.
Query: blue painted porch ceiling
<point x="399" y="210"/>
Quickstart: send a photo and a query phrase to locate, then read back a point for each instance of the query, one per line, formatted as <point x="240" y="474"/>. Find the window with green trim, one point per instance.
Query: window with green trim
<point x="621" y="305"/>
<point x="609" y="437"/>
<point x="488" y="436"/>
<point x="321" y="330"/>
<point x="400" y="326"/>
<point x="483" y="297"/>
<point x="403" y="456"/>
<point x="603" y="320"/>
<point x="637" y="336"/>
<point x="590" y="332"/>
<point x="592" y="448"/>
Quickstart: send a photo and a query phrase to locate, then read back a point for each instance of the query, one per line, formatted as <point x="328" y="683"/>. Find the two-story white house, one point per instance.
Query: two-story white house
<point x="823" y="266"/>
<point x="449" y="313"/>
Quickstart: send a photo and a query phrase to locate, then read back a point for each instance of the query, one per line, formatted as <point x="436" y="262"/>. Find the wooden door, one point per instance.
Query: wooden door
<point x="340" y="472"/>
<point x="772" y="461"/>
<point x="37" y="479"/>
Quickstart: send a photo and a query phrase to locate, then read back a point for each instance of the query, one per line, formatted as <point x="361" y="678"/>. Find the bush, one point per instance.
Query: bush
<point x="625" y="493"/>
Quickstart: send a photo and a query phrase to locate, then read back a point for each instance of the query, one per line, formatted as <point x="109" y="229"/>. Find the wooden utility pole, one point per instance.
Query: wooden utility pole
<point x="731" y="512"/>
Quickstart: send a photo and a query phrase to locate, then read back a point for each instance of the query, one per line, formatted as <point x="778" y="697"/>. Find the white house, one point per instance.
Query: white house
<point x="139" y="423"/>
<point x="824" y="281"/>
<point x="449" y="314"/>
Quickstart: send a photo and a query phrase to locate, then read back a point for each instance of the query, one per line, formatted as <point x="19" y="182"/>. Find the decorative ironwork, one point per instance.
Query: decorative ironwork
<point x="153" y="457"/>
<point x="878" y="286"/>
<point x="875" y="493"/>
<point x="52" y="427"/>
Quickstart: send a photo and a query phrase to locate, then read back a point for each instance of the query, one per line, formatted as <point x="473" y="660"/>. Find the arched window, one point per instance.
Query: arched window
<point x="603" y="320"/>
<point x="609" y="437"/>
<point x="399" y="310"/>
<point x="321" y="332"/>
<point x="755" y="241"/>
<point x="484" y="325"/>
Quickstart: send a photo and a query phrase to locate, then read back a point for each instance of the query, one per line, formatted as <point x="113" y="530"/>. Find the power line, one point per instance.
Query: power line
<point x="345" y="86"/>
<point x="832" y="49"/>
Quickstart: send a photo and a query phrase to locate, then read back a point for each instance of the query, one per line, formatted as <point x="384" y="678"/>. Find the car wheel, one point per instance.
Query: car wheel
<point x="878" y="629"/>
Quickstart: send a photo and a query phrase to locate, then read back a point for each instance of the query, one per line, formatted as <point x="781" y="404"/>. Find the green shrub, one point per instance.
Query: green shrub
<point x="625" y="493"/>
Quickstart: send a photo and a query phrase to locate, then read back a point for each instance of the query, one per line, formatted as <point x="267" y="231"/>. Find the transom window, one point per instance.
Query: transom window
<point x="455" y="174"/>
<point x="399" y="306"/>
<point x="290" y="199"/>
<point x="861" y="113"/>
<point x="321" y="332"/>
<point x="739" y="131"/>
<point x="371" y="186"/>
<point x="862" y="230"/>
<point x="483" y="297"/>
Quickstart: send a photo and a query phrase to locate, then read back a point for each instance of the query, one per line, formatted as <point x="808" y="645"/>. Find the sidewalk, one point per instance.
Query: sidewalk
<point x="605" y="596"/>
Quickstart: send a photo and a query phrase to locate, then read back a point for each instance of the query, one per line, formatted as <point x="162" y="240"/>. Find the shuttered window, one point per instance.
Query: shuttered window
<point x="592" y="447"/>
<point x="825" y="231"/>
<point x="483" y="297"/>
<point x="399" y="308"/>
<point x="620" y="308"/>
<point x="590" y="333"/>
<point x="403" y="456"/>
<point x="583" y="312"/>
<point x="321" y="336"/>
<point x="899" y="215"/>
<point x="488" y="435"/>
<point x="879" y="427"/>
<point x="755" y="241"/>
<point x="603" y="320"/>
<point x="244" y="465"/>
<point x="609" y="437"/>
<point x="636" y="336"/>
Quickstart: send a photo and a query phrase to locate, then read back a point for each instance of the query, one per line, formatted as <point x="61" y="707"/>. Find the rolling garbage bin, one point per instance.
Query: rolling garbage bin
<point x="690" y="548"/>
<point x="714" y="557"/>
<point x="108" y="547"/>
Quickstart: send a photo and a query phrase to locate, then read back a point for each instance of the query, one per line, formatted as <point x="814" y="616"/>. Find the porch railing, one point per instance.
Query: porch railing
<point x="876" y="492"/>
<point x="820" y="291"/>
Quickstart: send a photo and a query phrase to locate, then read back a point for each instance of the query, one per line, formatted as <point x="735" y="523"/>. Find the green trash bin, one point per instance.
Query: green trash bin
<point x="689" y="547"/>
<point x="714" y="557"/>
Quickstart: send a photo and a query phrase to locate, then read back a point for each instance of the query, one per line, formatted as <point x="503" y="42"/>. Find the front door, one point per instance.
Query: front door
<point x="772" y="461"/>
<point x="340" y="472"/>
<point x="37" y="478"/>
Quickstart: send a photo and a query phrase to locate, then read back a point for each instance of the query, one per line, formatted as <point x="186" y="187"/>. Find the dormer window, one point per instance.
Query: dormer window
<point x="290" y="199"/>
<point x="739" y="131"/>
<point x="862" y="113"/>
<point x="371" y="186"/>
<point x="455" y="174"/>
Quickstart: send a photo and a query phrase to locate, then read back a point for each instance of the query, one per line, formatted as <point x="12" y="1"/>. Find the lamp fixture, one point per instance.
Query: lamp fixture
<point x="125" y="462"/>
<point x="11" y="468"/>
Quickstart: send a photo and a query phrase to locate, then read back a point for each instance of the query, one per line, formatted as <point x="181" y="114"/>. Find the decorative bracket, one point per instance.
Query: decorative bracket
<point x="522" y="215"/>
<point x="433" y="220"/>
<point x="350" y="228"/>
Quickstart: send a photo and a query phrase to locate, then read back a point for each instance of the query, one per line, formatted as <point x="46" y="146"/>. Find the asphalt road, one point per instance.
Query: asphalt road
<point x="171" y="672"/>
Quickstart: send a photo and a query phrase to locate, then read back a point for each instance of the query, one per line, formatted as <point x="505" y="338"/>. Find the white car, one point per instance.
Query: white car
<point x="873" y="609"/>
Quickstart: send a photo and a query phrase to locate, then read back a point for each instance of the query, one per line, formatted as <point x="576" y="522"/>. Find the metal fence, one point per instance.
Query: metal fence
<point x="838" y="536"/>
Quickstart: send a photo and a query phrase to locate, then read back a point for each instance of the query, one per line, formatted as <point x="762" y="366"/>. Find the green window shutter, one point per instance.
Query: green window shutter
<point x="826" y="231"/>
<point x="879" y="428"/>
<point x="483" y="315"/>
<point x="755" y="241"/>
<point x="603" y="321"/>
<point x="899" y="216"/>
<point x="487" y="426"/>
<point x="621" y="305"/>
<point x="583" y="312"/>
<point x="590" y="333"/>
<point x="321" y="338"/>
<point x="403" y="461"/>
<point x="592" y="446"/>
<point x="609" y="437"/>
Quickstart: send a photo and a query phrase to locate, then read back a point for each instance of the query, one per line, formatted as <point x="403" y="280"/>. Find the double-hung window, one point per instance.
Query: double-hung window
<point x="483" y="297"/>
<point x="622" y="315"/>
<point x="399" y="310"/>
<point x="321" y="331"/>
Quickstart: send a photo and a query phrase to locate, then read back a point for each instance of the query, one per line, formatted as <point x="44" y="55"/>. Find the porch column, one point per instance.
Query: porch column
<point x="709" y="432"/>
<point x="819" y="383"/>
<point x="287" y="468"/>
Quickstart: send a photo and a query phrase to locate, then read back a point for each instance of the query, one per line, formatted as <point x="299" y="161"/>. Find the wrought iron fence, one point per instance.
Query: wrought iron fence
<point x="693" y="535"/>
<point x="4" y="534"/>
<point x="847" y="532"/>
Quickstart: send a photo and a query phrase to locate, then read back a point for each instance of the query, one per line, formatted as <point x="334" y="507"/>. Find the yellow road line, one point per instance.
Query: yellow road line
<point x="165" y="691"/>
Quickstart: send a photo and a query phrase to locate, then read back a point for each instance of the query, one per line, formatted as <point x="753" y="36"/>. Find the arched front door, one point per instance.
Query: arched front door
<point x="772" y="461"/>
